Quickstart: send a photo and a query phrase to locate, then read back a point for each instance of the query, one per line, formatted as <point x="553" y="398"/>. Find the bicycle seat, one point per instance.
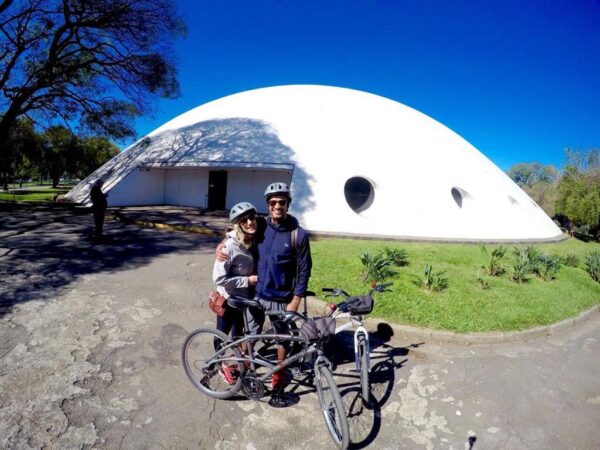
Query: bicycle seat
<point x="241" y="302"/>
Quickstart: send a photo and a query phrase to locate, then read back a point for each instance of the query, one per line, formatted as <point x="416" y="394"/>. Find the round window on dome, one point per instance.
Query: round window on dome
<point x="359" y="193"/>
<point x="459" y="195"/>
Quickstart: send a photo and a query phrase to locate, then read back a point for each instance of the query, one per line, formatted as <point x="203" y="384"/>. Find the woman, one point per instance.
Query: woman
<point x="236" y="275"/>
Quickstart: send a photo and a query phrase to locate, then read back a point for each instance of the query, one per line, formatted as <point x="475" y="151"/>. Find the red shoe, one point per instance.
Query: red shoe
<point x="280" y="380"/>
<point x="229" y="373"/>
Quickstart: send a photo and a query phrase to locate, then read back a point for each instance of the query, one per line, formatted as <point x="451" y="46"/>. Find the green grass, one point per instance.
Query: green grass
<point x="463" y="306"/>
<point x="31" y="195"/>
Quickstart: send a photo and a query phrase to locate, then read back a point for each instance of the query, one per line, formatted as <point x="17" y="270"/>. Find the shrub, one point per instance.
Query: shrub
<point x="548" y="266"/>
<point x="494" y="267"/>
<point x="592" y="265"/>
<point x="534" y="255"/>
<point x="376" y="268"/>
<point x="432" y="281"/>
<point x="397" y="255"/>
<point x="379" y="267"/>
<point x="524" y="265"/>
<point x="571" y="260"/>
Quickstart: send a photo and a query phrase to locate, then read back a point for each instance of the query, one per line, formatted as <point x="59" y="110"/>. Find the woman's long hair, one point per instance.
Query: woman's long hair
<point x="245" y="239"/>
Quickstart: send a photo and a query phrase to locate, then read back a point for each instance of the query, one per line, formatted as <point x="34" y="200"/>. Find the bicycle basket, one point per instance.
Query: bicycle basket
<point x="360" y="305"/>
<point x="318" y="328"/>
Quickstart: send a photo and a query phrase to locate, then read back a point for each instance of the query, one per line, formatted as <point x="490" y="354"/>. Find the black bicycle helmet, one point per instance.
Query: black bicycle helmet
<point x="239" y="209"/>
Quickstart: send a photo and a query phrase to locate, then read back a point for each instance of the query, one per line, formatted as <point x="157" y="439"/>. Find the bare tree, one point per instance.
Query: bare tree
<point x="95" y="63"/>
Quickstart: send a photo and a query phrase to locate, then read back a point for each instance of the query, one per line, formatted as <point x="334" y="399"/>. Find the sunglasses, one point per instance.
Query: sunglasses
<point x="249" y="218"/>
<point x="273" y="203"/>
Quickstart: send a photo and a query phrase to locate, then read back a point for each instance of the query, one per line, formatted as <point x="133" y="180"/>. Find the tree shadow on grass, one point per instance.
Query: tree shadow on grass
<point x="46" y="247"/>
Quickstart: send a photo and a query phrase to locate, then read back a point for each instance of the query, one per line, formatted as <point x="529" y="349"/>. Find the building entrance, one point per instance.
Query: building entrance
<point x="217" y="190"/>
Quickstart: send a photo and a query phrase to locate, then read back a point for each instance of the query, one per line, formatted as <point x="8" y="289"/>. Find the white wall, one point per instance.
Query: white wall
<point x="186" y="187"/>
<point x="249" y="186"/>
<point x="140" y="187"/>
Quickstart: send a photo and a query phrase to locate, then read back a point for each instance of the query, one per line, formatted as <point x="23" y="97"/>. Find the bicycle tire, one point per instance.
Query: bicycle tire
<point x="332" y="406"/>
<point x="209" y="379"/>
<point x="363" y="361"/>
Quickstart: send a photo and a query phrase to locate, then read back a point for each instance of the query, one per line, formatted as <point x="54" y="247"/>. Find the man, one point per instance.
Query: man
<point x="99" y="205"/>
<point x="283" y="266"/>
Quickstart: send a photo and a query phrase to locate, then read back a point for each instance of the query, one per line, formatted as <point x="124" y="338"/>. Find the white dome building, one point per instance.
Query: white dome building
<point x="358" y="165"/>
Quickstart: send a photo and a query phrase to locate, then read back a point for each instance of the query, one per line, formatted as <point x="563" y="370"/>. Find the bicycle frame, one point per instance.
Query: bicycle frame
<point x="250" y="339"/>
<point x="355" y="321"/>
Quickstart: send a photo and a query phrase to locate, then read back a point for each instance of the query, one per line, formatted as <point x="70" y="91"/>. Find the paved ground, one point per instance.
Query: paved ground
<point x="90" y="337"/>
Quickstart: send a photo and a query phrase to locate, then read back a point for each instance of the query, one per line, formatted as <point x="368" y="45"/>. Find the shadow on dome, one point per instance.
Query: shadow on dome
<point x="220" y="143"/>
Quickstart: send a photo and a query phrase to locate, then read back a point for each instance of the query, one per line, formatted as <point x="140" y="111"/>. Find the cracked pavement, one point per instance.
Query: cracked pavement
<point x="90" y="341"/>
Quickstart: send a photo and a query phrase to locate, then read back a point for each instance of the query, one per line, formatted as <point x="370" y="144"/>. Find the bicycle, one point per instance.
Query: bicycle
<point x="354" y="309"/>
<point x="208" y="355"/>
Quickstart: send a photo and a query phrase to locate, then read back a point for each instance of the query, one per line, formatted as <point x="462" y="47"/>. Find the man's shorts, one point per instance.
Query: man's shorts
<point x="256" y="317"/>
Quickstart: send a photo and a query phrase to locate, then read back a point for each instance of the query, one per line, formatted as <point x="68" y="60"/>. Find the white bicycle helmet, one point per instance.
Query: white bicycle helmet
<point x="278" y="188"/>
<point x="240" y="209"/>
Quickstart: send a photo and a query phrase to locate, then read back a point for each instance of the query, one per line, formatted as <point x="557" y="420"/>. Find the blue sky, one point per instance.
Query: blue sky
<point x="518" y="79"/>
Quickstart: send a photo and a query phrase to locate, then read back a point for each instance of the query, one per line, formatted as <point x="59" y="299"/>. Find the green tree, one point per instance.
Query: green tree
<point x="95" y="63"/>
<point x="545" y="195"/>
<point x="579" y="187"/>
<point x="530" y="174"/>
<point x="60" y="145"/>
<point x="94" y="152"/>
<point x="23" y="149"/>
<point x="539" y="181"/>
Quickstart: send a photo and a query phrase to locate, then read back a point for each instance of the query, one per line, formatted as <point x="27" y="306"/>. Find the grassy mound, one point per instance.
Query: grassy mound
<point x="464" y="306"/>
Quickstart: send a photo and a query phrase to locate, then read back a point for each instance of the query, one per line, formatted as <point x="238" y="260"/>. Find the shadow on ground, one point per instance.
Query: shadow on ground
<point x="365" y="421"/>
<point x="45" y="247"/>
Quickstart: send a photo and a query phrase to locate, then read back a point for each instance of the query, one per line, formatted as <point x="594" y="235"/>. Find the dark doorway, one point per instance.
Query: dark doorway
<point x="217" y="189"/>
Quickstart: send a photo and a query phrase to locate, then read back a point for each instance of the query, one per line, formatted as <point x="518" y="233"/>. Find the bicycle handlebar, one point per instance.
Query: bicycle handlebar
<point x="342" y="305"/>
<point x="335" y="292"/>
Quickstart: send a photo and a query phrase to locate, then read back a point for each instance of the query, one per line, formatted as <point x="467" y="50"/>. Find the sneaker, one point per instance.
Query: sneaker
<point x="229" y="373"/>
<point x="280" y="380"/>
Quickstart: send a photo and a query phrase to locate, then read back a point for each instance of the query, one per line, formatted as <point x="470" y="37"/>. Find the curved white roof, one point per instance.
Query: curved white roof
<point x="427" y="182"/>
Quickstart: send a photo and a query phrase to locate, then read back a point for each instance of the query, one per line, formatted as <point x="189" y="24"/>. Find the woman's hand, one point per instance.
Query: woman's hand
<point x="221" y="257"/>
<point x="252" y="280"/>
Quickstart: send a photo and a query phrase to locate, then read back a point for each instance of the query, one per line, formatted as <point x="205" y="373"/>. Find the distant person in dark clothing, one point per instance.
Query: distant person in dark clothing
<point x="99" y="205"/>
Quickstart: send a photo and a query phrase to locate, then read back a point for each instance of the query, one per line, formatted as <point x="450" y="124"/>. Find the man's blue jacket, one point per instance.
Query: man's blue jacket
<point x="282" y="271"/>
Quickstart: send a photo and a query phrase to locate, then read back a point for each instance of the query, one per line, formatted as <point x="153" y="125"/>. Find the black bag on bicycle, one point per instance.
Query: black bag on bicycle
<point x="360" y="305"/>
<point x="318" y="328"/>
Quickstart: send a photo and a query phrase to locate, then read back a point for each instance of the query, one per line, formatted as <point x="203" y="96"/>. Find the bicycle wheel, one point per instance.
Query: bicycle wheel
<point x="215" y="379"/>
<point x="332" y="406"/>
<point x="363" y="361"/>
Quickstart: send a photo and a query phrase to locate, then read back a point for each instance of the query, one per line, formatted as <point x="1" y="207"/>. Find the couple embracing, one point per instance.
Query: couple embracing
<point x="266" y="259"/>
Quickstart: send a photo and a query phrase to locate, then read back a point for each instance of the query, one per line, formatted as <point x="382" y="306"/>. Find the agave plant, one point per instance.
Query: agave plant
<point x="523" y="267"/>
<point x="592" y="265"/>
<point x="432" y="281"/>
<point x="571" y="260"/>
<point x="376" y="268"/>
<point x="397" y="255"/>
<point x="548" y="266"/>
<point x="494" y="267"/>
<point x="532" y="255"/>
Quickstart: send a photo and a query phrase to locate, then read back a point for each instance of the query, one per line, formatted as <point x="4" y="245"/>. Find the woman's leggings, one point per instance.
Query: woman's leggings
<point x="231" y="322"/>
